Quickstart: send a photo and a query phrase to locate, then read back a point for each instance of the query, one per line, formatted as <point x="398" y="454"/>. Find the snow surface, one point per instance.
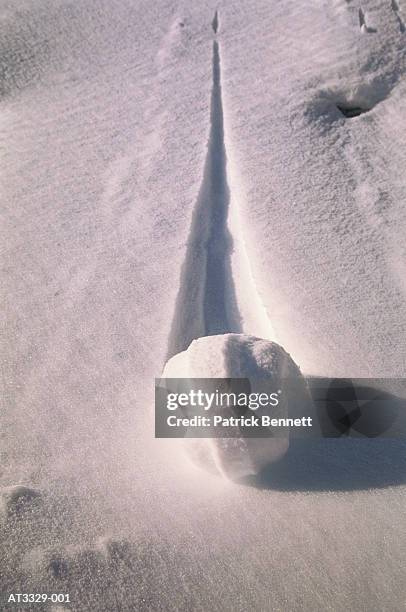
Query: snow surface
<point x="112" y="119"/>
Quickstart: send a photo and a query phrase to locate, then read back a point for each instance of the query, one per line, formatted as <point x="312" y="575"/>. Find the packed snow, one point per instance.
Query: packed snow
<point x="236" y="356"/>
<point x="137" y="138"/>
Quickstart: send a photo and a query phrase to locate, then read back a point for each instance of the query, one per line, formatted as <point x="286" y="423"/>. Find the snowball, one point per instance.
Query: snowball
<point x="232" y="356"/>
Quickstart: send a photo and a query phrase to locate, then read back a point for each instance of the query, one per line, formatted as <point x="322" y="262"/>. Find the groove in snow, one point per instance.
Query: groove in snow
<point x="206" y="303"/>
<point x="397" y="12"/>
<point x="363" y="24"/>
<point x="215" y="22"/>
<point x="217" y="293"/>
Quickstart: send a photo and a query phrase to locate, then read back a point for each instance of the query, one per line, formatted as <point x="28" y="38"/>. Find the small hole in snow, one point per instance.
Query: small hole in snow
<point x="351" y="111"/>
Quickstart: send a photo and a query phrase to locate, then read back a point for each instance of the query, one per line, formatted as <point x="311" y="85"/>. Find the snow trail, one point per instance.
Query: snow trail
<point x="215" y="22"/>
<point x="216" y="276"/>
<point x="363" y="24"/>
<point x="220" y="310"/>
<point x="397" y="12"/>
<point x="206" y="303"/>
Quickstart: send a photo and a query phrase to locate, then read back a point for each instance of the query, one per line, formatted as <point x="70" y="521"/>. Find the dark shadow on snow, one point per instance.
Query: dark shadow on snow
<point x="372" y="459"/>
<point x="215" y="22"/>
<point x="351" y="111"/>
<point x="337" y="465"/>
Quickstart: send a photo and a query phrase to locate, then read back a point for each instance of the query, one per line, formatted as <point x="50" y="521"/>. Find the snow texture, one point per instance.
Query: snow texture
<point x="108" y="140"/>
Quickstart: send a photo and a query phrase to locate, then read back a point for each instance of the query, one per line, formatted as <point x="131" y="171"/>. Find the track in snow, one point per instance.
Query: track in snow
<point x="206" y="303"/>
<point x="215" y="22"/>
<point x="397" y="12"/>
<point x="363" y="24"/>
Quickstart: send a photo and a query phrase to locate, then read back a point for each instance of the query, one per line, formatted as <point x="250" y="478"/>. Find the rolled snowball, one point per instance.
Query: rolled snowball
<point x="231" y="356"/>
